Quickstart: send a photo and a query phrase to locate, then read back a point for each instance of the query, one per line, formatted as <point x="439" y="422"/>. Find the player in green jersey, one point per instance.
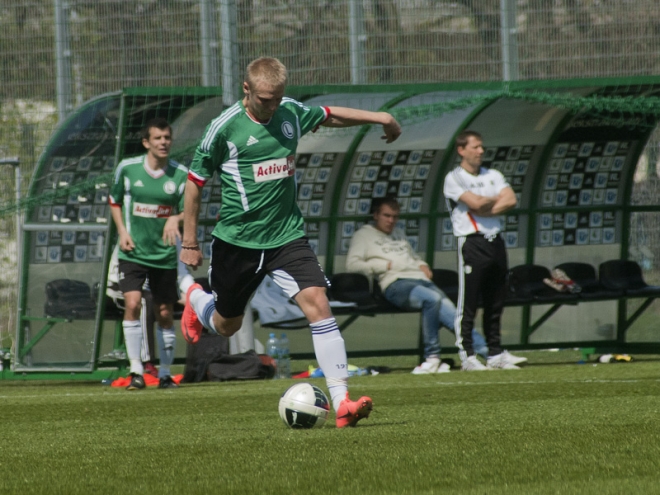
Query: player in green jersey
<point x="147" y="203"/>
<point x="252" y="146"/>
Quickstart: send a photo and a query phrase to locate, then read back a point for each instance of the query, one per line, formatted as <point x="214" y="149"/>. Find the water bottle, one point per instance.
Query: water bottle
<point x="273" y="350"/>
<point x="284" y="358"/>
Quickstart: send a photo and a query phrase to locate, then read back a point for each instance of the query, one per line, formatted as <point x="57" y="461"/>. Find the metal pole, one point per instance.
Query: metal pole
<point x="358" y="41"/>
<point x="15" y="162"/>
<point x="509" y="40"/>
<point x="229" y="36"/>
<point x="63" y="59"/>
<point x="209" y="43"/>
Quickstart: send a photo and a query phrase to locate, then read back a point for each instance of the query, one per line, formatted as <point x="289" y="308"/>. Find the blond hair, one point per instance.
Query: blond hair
<point x="266" y="69"/>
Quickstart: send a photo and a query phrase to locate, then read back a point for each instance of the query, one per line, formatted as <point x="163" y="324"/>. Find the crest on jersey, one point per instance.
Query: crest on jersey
<point x="467" y="269"/>
<point x="169" y="187"/>
<point x="287" y="129"/>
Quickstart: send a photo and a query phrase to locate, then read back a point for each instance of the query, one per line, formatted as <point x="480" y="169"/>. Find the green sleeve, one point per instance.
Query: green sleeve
<point x="207" y="160"/>
<point x="308" y="117"/>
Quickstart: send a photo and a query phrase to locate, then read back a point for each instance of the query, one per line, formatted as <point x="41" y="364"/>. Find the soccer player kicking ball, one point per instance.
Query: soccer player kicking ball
<point x="252" y="146"/>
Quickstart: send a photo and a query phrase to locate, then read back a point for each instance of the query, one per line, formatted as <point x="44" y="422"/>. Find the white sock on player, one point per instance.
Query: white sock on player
<point x="166" y="340"/>
<point x="133" y="340"/>
<point x="330" y="353"/>
<point x="204" y="307"/>
<point x="185" y="283"/>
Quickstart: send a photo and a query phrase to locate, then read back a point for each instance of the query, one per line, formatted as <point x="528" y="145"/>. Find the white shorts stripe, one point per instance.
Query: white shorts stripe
<point x="286" y="282"/>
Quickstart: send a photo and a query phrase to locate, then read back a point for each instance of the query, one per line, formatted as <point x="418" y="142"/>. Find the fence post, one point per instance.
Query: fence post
<point x="509" y="40"/>
<point x="358" y="40"/>
<point x="63" y="59"/>
<point x="208" y="43"/>
<point x="230" y="81"/>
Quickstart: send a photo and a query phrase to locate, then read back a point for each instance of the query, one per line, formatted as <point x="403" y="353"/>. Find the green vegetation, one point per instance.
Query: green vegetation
<point x="554" y="427"/>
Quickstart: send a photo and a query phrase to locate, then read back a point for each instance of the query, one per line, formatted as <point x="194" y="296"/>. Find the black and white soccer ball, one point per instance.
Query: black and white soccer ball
<point x="304" y="405"/>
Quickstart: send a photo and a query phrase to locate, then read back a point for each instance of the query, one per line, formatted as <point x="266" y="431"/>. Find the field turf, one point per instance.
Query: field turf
<point x="554" y="427"/>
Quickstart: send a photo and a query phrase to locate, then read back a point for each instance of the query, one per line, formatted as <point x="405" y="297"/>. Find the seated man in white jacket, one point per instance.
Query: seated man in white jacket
<point x="381" y="250"/>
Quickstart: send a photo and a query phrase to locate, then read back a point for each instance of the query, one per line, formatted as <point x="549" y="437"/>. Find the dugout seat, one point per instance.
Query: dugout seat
<point x="447" y="281"/>
<point x="584" y="274"/>
<point x="526" y="286"/>
<point x="352" y="287"/>
<point x="626" y="276"/>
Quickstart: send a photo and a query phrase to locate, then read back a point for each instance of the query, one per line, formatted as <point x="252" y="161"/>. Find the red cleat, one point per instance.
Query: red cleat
<point x="150" y="369"/>
<point x="350" y="412"/>
<point x="191" y="327"/>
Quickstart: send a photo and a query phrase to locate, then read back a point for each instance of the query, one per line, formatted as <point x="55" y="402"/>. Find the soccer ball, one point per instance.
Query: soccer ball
<point x="304" y="405"/>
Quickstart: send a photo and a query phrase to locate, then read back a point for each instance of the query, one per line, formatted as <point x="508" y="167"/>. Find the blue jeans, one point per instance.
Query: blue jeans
<point x="437" y="310"/>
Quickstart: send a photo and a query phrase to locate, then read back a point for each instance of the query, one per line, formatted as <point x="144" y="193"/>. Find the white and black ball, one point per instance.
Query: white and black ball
<point x="304" y="406"/>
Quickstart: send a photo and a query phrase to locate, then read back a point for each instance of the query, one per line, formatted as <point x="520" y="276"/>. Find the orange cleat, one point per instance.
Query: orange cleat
<point x="350" y="412"/>
<point x="191" y="327"/>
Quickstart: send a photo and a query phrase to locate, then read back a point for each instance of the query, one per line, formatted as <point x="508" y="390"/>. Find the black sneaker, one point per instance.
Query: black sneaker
<point x="167" y="382"/>
<point x="137" y="382"/>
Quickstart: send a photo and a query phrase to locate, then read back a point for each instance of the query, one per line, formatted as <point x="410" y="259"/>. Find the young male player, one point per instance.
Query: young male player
<point x="252" y="146"/>
<point x="147" y="199"/>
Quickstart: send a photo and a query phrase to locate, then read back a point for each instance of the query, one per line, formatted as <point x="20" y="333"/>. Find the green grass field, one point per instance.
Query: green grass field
<point x="553" y="427"/>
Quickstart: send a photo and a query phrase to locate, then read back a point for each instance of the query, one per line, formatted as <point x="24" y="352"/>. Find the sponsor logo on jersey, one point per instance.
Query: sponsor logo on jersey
<point x="287" y="129"/>
<point x="169" y="187"/>
<point x="138" y="183"/>
<point x="151" y="211"/>
<point x="252" y="140"/>
<point x="274" y="169"/>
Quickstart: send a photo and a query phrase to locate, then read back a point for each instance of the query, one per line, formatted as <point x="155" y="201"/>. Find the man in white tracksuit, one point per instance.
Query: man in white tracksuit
<point x="476" y="197"/>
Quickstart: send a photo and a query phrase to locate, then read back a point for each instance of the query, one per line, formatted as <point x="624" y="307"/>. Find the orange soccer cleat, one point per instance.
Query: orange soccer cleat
<point x="191" y="327"/>
<point x="350" y="412"/>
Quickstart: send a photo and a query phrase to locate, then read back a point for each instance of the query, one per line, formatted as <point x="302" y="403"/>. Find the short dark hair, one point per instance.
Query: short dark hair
<point x="390" y="201"/>
<point x="158" y="123"/>
<point x="462" y="138"/>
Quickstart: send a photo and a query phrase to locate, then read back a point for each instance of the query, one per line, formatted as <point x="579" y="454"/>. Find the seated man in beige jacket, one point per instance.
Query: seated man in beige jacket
<point x="382" y="251"/>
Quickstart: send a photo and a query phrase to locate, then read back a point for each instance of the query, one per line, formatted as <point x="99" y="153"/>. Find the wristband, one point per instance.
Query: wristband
<point x="192" y="248"/>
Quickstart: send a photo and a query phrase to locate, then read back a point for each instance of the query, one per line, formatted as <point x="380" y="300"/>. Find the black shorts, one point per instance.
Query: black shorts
<point x="236" y="272"/>
<point x="162" y="282"/>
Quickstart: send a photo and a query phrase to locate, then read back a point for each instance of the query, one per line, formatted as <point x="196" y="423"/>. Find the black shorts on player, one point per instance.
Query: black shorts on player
<point x="236" y="272"/>
<point x="162" y="282"/>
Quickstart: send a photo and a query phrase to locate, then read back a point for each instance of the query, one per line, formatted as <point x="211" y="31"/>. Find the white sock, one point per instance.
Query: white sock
<point x="204" y="306"/>
<point x="166" y="339"/>
<point x="185" y="283"/>
<point x="133" y="339"/>
<point x="144" y="351"/>
<point x="331" y="355"/>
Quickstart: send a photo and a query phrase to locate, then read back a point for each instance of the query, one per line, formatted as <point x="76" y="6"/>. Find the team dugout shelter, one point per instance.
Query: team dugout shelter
<point x="580" y="156"/>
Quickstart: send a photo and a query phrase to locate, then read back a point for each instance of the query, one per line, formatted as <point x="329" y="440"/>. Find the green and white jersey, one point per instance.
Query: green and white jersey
<point x="148" y="198"/>
<point x="256" y="165"/>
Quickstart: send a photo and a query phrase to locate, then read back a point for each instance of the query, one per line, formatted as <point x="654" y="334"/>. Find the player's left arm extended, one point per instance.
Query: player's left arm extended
<point x="347" y="117"/>
<point x="504" y="201"/>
